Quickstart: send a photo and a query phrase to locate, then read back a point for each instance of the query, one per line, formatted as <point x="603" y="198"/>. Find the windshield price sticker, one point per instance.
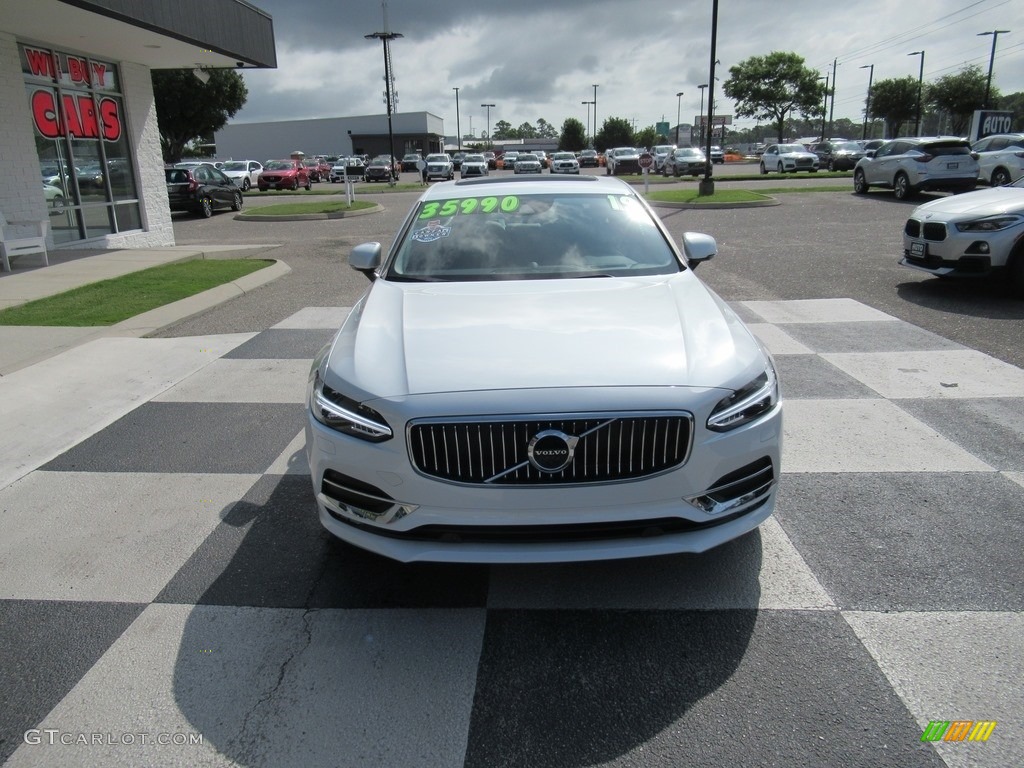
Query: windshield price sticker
<point x="468" y="205"/>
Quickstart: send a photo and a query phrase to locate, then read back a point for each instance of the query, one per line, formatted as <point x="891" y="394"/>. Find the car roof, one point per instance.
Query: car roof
<point x="504" y="185"/>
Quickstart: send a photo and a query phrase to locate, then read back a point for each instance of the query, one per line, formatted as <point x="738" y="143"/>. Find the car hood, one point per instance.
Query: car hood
<point x="983" y="202"/>
<point x="407" y="339"/>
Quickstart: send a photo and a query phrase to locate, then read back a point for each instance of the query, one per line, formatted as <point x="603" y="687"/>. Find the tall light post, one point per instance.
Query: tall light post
<point x="458" y="127"/>
<point x="595" y="115"/>
<point x="588" y="103"/>
<point x="920" y="81"/>
<point x="991" y="60"/>
<point x="832" y="107"/>
<point x="386" y="38"/>
<point x="824" y="106"/>
<point x="679" y="104"/>
<point x="700" y="141"/>
<point x="867" y="104"/>
<point x="707" y="185"/>
<point x="489" y="139"/>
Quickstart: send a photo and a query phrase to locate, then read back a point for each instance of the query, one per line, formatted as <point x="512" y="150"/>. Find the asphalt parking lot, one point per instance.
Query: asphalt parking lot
<point x="186" y="607"/>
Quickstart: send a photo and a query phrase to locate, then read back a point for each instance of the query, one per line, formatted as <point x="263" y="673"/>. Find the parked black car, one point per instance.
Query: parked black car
<point x="838" y="154"/>
<point x="381" y="168"/>
<point x="201" y="189"/>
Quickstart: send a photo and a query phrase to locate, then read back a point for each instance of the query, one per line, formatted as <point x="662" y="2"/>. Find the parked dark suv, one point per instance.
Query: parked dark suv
<point x="201" y="189"/>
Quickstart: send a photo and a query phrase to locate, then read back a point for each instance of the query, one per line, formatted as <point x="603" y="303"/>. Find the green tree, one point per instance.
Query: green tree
<point x="573" y="137"/>
<point x="774" y="86"/>
<point x="503" y="130"/>
<point x="894" y="101"/>
<point x="545" y="130"/>
<point x="187" y="108"/>
<point x="526" y="131"/>
<point x="647" y="137"/>
<point x="615" y="132"/>
<point x="1012" y="103"/>
<point x="958" y="95"/>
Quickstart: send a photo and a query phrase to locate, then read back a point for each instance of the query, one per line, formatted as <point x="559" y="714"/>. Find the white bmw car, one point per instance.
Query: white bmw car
<point x="536" y="374"/>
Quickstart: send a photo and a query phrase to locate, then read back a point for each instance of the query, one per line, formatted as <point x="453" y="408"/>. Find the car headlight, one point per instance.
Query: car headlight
<point x="991" y="224"/>
<point x="746" y="404"/>
<point x="335" y="410"/>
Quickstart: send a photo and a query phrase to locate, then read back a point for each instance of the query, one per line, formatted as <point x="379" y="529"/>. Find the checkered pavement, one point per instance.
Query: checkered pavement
<point x="163" y="577"/>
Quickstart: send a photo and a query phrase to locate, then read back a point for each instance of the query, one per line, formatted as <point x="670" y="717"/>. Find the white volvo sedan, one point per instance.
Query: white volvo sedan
<point x="535" y="374"/>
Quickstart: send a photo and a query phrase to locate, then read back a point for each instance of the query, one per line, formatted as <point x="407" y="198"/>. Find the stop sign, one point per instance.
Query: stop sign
<point x="646" y="160"/>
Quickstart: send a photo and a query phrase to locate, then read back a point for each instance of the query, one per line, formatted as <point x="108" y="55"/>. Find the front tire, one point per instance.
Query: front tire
<point x="860" y="182"/>
<point x="1000" y="177"/>
<point x="780" y="169"/>
<point x="309" y="184"/>
<point x="246" y="185"/>
<point x="901" y="188"/>
<point x="764" y="171"/>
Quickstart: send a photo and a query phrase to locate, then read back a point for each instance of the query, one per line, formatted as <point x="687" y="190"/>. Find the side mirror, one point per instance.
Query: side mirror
<point x="365" y="258"/>
<point x="698" y="247"/>
<point x="870" y="153"/>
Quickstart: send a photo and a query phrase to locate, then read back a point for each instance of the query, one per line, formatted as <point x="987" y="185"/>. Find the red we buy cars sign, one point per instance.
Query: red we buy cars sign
<point x="77" y="115"/>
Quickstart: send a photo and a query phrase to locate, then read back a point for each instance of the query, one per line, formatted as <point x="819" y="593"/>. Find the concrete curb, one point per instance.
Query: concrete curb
<point x="26" y="346"/>
<point x="686" y="206"/>
<point x="161" y="317"/>
<point x="377" y="208"/>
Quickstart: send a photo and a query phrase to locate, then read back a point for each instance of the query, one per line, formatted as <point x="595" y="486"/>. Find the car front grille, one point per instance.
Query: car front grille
<point x="608" y="447"/>
<point x="930" y="230"/>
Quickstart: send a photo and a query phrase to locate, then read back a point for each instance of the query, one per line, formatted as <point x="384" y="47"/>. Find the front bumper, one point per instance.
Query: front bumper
<point x="369" y="495"/>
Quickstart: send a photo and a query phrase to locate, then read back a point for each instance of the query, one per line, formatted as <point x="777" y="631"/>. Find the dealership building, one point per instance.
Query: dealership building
<point x="79" y="141"/>
<point x="364" y="135"/>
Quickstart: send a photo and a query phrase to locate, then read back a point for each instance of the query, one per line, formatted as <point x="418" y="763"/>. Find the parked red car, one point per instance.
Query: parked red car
<point x="284" y="174"/>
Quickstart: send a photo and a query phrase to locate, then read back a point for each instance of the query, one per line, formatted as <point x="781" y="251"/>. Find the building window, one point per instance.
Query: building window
<point x="78" y="119"/>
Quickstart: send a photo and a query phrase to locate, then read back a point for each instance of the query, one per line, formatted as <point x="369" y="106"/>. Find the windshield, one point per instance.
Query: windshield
<point x="279" y="165"/>
<point x="532" y="236"/>
<point x="688" y="152"/>
<point x="474" y="159"/>
<point x="526" y="158"/>
<point x="789" y="149"/>
<point x="437" y="158"/>
<point x="235" y="166"/>
<point x="848" y="146"/>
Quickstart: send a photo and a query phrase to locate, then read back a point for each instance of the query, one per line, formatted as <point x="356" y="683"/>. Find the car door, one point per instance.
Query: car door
<point x="770" y="158"/>
<point x="222" y="189"/>
<point x="255" y="169"/>
<point x="882" y="167"/>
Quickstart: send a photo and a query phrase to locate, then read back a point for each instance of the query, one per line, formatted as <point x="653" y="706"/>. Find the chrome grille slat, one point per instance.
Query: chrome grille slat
<point x="610" y="447"/>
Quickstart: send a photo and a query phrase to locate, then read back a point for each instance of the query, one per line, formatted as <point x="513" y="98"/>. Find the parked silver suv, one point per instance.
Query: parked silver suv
<point x="910" y="165"/>
<point x="1001" y="158"/>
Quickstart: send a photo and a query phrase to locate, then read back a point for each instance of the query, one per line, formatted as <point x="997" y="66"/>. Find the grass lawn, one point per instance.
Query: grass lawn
<point x="111" y="301"/>
<point x="693" y="196"/>
<point x="309" y="206"/>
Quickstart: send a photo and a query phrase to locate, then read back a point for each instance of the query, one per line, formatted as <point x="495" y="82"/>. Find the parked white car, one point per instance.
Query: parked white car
<point x="565" y="162"/>
<point x="1000" y="158"/>
<point x="440" y="166"/>
<point x="245" y="173"/>
<point x="788" y="158"/>
<point x="915" y="163"/>
<point x="489" y="400"/>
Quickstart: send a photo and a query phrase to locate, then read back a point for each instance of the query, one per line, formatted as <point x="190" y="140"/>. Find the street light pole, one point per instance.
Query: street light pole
<point x="679" y="104"/>
<point x="700" y="131"/>
<point x="867" y="104"/>
<point x="824" y="107"/>
<point x="386" y="38"/>
<point x="595" y="115"/>
<point x="920" y="81"/>
<point x="458" y="127"/>
<point x="489" y="139"/>
<point x="588" y="103"/>
<point x="991" y="60"/>
<point x="707" y="185"/>
<point x="832" y="107"/>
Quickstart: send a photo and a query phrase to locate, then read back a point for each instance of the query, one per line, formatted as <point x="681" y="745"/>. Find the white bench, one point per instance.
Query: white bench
<point x="19" y="246"/>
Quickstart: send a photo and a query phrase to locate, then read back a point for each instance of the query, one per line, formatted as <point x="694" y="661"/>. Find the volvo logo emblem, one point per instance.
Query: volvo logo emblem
<point x="551" y="450"/>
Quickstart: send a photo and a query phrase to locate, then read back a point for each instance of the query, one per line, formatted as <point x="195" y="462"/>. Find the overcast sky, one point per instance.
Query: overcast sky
<point x="540" y="58"/>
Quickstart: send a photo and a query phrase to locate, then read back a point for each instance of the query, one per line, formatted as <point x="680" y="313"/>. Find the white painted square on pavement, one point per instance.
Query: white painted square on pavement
<point x="866" y="436"/>
<point x="815" y="311"/>
<point x="312" y="318"/>
<point x="777" y="340"/>
<point x="950" y="373"/>
<point x="243" y="381"/>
